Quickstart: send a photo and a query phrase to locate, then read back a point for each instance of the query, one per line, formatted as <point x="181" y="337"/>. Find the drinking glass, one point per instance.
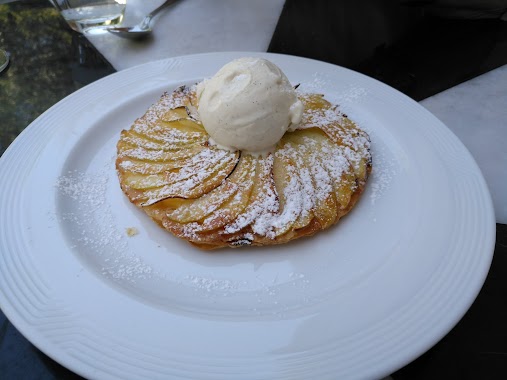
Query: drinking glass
<point x="89" y="16"/>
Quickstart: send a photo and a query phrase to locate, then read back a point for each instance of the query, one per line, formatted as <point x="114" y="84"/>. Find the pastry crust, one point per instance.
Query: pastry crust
<point x="216" y="198"/>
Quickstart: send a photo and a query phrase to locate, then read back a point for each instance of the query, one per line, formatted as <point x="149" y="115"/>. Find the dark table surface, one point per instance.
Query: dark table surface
<point x="418" y="47"/>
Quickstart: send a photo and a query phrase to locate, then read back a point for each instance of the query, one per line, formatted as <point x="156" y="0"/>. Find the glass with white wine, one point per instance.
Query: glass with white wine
<point x="91" y="15"/>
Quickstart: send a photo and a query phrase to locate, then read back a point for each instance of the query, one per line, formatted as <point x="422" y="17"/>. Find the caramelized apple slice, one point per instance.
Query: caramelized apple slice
<point x="341" y="130"/>
<point x="313" y="102"/>
<point x="136" y="153"/>
<point x="181" y="97"/>
<point x="205" y="205"/>
<point x="208" y="239"/>
<point x="192" y="181"/>
<point x="211" y="212"/>
<point x="301" y="153"/>
<point x="324" y="202"/>
<point x="212" y="201"/>
<point x="354" y="143"/>
<point x="262" y="204"/>
<point x="158" y="210"/>
<point x="127" y="165"/>
<point x="137" y="160"/>
<point x="176" y="134"/>
<point x="174" y="114"/>
<point x="137" y="139"/>
<point x="289" y="187"/>
<point x="243" y="178"/>
<point x="186" y="126"/>
<point x="203" y="162"/>
<point x="180" y="182"/>
<point x="143" y="182"/>
<point x="341" y="172"/>
<point x="333" y="160"/>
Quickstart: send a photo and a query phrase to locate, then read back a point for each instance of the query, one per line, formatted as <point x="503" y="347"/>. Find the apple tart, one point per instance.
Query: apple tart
<point x="216" y="198"/>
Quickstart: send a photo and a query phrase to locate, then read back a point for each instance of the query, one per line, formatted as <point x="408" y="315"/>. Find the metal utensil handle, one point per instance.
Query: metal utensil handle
<point x="147" y="20"/>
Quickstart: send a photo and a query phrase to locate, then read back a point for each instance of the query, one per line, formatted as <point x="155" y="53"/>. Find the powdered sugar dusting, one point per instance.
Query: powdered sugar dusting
<point x="318" y="83"/>
<point x="207" y="163"/>
<point x="268" y="223"/>
<point x="318" y="162"/>
<point x="128" y="267"/>
<point x="383" y="176"/>
<point x="263" y="290"/>
<point x="83" y="188"/>
<point x="94" y="230"/>
<point x="321" y="83"/>
<point x="317" y="118"/>
<point x="264" y="201"/>
<point x="211" y="284"/>
<point x="349" y="99"/>
<point x="179" y="98"/>
<point x="352" y="94"/>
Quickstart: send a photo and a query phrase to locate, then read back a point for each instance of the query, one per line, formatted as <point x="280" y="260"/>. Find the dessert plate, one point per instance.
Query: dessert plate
<point x="97" y="286"/>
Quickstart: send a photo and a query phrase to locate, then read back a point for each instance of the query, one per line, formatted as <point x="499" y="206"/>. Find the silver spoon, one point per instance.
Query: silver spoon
<point x="142" y="29"/>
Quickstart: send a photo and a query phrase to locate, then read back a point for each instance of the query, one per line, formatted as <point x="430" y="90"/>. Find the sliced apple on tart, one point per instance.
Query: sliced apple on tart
<point x="213" y="197"/>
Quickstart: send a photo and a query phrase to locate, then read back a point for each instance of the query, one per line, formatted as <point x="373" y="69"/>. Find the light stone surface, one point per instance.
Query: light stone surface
<point x="191" y="27"/>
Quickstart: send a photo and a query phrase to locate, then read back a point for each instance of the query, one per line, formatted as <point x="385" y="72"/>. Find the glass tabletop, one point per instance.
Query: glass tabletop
<point x="48" y="61"/>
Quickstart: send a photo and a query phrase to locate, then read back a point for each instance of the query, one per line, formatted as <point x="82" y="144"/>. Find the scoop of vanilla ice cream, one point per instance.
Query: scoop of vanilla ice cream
<point x="248" y="105"/>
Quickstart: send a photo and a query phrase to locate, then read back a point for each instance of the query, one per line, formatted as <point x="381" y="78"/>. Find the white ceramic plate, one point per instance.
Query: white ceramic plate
<point x="357" y="301"/>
